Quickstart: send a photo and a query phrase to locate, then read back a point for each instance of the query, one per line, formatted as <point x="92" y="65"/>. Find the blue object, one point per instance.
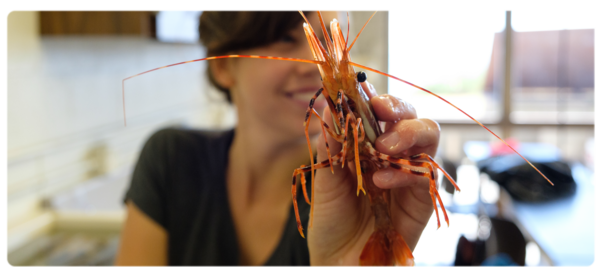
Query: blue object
<point x="500" y="259"/>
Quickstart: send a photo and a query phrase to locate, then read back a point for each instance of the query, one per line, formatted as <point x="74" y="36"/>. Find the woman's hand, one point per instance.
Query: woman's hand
<point x="342" y="222"/>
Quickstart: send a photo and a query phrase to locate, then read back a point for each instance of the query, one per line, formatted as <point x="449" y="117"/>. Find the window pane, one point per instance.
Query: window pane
<point x="178" y="26"/>
<point x="553" y="68"/>
<point x="449" y="53"/>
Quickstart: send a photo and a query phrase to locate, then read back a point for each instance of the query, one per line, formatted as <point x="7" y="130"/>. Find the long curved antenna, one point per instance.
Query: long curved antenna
<point x="406" y="82"/>
<point x="211" y="58"/>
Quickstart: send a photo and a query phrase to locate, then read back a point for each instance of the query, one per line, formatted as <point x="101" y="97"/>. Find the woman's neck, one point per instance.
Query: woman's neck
<point x="261" y="160"/>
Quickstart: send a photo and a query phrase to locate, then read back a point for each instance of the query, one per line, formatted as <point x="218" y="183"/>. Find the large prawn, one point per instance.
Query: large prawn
<point x="357" y="128"/>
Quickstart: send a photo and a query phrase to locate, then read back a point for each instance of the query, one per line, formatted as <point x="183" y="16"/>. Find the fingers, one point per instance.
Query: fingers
<point x="409" y="137"/>
<point x="369" y="89"/>
<point x="406" y="138"/>
<point x="405" y="135"/>
<point x="390" y="178"/>
<point x="392" y="109"/>
<point x="388" y="108"/>
<point x="333" y="191"/>
<point x="334" y="146"/>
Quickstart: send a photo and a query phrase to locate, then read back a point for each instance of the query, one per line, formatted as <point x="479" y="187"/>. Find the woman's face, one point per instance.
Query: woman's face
<point x="273" y="92"/>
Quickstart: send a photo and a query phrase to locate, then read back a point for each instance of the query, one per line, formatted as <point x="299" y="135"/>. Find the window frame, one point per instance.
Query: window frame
<point x="505" y="124"/>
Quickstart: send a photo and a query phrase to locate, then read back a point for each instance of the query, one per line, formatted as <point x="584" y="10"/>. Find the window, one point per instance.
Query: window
<point x="461" y="56"/>
<point x="177" y="26"/>
<point x="552" y="79"/>
<point x="449" y="54"/>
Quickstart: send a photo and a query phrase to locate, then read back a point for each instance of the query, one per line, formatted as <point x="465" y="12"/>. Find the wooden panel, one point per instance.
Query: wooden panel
<point x="96" y="23"/>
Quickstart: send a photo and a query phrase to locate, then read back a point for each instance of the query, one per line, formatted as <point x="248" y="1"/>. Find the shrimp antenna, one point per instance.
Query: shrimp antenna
<point x="411" y="84"/>
<point x="317" y="43"/>
<point x="328" y="40"/>
<point x="361" y="30"/>
<point x="211" y="58"/>
<point x="348" y="32"/>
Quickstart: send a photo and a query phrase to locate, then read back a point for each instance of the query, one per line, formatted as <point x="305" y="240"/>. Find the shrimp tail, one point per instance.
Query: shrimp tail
<point x="386" y="247"/>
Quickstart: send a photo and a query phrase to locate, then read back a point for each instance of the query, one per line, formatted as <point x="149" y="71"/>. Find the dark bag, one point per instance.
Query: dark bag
<point x="523" y="183"/>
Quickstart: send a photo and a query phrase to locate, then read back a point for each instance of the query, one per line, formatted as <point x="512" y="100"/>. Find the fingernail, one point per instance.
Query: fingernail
<point x="384" y="175"/>
<point x="390" y="140"/>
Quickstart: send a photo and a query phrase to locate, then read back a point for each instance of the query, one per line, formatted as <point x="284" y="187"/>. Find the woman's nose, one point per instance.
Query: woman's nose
<point x="305" y="50"/>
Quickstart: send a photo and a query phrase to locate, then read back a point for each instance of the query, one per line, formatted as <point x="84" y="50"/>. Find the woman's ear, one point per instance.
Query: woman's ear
<point x="221" y="71"/>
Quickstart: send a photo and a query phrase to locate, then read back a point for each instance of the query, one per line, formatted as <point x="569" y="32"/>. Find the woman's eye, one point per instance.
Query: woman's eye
<point x="322" y="39"/>
<point x="287" y="39"/>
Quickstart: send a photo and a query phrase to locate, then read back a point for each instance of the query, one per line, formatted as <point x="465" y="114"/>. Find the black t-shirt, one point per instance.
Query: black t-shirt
<point x="179" y="182"/>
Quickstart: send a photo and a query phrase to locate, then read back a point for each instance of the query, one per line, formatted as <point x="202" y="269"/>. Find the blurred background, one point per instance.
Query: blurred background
<point x="528" y="77"/>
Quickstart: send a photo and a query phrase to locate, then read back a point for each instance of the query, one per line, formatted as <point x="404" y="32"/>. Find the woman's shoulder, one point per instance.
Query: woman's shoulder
<point x="176" y="171"/>
<point x="185" y="138"/>
<point x="176" y="145"/>
<point x="182" y="135"/>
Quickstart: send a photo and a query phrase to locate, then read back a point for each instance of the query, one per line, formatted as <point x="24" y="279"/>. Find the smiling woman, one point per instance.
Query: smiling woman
<point x="262" y="88"/>
<point x="230" y="32"/>
<point x="210" y="217"/>
<point x="223" y="197"/>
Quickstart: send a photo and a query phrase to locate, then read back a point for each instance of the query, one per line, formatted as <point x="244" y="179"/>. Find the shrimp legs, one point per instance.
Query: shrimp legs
<point x="358" y="135"/>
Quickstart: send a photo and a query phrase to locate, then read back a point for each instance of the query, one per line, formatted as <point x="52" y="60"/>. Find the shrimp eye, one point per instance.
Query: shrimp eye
<point x="361" y="76"/>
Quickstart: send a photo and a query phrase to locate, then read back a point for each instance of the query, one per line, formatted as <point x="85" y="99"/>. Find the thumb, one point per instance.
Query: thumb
<point x="322" y="145"/>
<point x="327" y="183"/>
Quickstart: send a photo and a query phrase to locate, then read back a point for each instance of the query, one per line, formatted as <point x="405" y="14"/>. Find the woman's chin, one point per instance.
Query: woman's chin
<point x="313" y="133"/>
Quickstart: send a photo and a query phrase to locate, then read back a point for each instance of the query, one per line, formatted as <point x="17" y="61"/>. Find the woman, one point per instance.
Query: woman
<point x="223" y="198"/>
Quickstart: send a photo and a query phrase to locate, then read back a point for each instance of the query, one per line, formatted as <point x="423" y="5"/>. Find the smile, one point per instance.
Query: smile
<point x="302" y="98"/>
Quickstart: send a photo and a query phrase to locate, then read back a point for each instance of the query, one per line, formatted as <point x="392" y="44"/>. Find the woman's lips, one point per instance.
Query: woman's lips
<point x="302" y="97"/>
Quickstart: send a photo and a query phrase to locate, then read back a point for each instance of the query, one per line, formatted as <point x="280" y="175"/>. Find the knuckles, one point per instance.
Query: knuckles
<point x="389" y="108"/>
<point x="408" y="136"/>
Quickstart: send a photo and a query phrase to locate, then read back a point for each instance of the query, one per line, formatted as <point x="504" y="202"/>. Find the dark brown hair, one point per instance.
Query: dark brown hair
<point x="225" y="32"/>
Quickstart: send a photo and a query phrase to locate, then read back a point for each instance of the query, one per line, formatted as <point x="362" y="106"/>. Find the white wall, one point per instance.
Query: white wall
<point x="65" y="116"/>
<point x="371" y="48"/>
